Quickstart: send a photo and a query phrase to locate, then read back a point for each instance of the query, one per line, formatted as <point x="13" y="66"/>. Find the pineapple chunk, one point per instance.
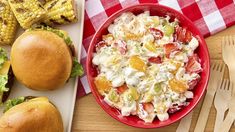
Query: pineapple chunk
<point x="132" y="94"/>
<point x="150" y="46"/>
<point x="178" y="85"/>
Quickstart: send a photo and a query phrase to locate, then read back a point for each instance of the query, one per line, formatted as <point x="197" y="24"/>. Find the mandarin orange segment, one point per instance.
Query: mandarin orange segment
<point x="178" y="86"/>
<point x="132" y="36"/>
<point x="150" y="46"/>
<point x="102" y="84"/>
<point x="136" y="63"/>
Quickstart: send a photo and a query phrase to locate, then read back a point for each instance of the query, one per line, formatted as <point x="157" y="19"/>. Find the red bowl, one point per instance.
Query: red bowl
<point x="202" y="51"/>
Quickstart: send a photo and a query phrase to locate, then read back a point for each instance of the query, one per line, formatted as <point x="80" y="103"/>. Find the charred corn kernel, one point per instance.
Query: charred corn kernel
<point x="43" y="2"/>
<point x="8" y="23"/>
<point x="27" y="12"/>
<point x="60" y="12"/>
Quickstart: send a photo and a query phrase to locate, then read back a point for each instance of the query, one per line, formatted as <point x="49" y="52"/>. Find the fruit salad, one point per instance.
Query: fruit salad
<point x="147" y="66"/>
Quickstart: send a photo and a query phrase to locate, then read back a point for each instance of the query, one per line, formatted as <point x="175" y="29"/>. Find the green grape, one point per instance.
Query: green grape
<point x="157" y="87"/>
<point x="168" y="30"/>
<point x="156" y="21"/>
<point x="164" y="21"/>
<point x="132" y="94"/>
<point x="113" y="96"/>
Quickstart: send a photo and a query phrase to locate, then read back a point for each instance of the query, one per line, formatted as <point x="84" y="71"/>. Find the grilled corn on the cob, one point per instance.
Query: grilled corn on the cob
<point x="60" y="12"/>
<point x="27" y="12"/>
<point x="8" y="23"/>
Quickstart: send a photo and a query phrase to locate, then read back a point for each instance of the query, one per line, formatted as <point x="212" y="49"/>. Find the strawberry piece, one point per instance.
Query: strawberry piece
<point x="158" y="34"/>
<point x="193" y="83"/>
<point x="193" y="65"/>
<point x="177" y="107"/>
<point x="182" y="35"/>
<point x="173" y="110"/>
<point x="101" y="44"/>
<point x="188" y="36"/>
<point x="121" y="46"/>
<point x="122" y="89"/>
<point x="169" y="48"/>
<point x="156" y="60"/>
<point x="148" y="107"/>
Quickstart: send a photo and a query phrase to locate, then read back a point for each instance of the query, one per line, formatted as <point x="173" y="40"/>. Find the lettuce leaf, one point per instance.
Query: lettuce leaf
<point x="77" y="69"/>
<point x="3" y="88"/>
<point x="3" y="57"/>
<point x="60" y="33"/>
<point x="3" y="82"/>
<point x="13" y="102"/>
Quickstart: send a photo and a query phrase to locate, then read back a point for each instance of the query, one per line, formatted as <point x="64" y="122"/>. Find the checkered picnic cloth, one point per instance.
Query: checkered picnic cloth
<point x="210" y="16"/>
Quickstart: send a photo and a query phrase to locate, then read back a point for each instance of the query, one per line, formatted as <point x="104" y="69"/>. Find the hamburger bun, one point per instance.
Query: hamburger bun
<point x="35" y="115"/>
<point x="41" y="60"/>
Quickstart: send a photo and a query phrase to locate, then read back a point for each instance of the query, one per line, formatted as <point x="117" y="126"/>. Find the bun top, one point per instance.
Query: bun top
<point x="37" y="115"/>
<point x="41" y="60"/>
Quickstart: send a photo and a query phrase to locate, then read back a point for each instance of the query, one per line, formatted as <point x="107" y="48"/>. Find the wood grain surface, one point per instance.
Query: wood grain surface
<point x="89" y="116"/>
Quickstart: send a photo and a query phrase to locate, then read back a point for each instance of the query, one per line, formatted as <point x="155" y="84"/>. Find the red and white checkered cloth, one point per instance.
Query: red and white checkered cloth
<point x="210" y="16"/>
